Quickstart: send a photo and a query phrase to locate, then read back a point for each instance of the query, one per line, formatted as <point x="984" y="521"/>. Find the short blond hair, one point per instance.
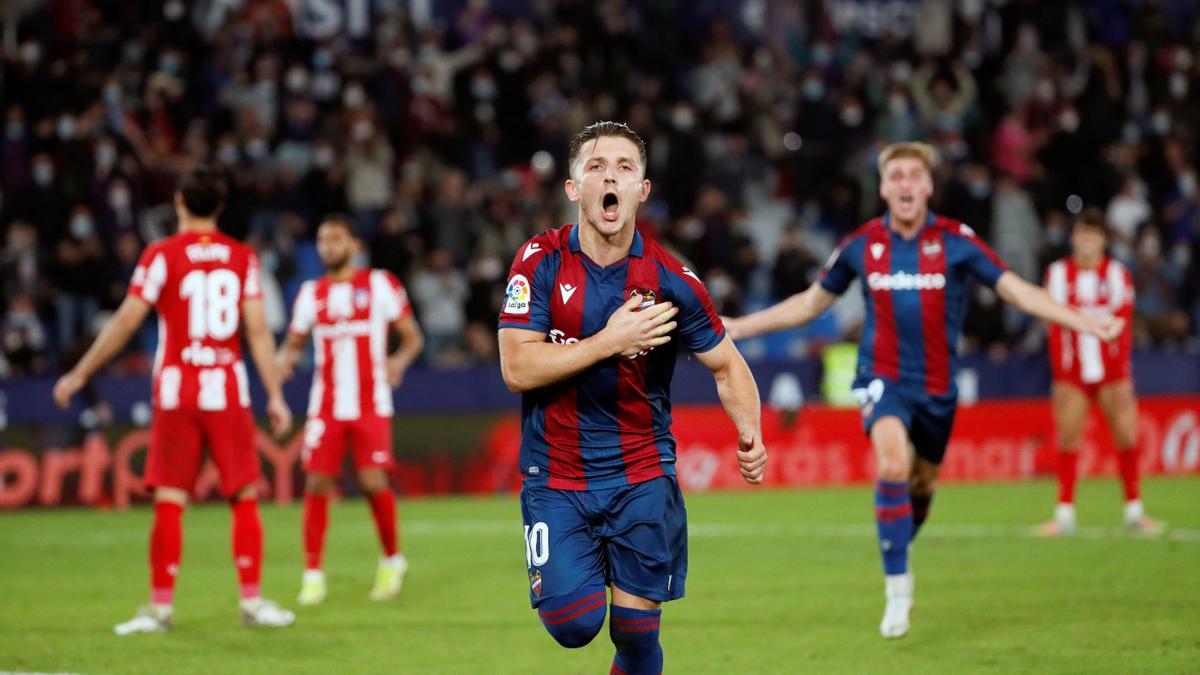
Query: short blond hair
<point x="922" y="151"/>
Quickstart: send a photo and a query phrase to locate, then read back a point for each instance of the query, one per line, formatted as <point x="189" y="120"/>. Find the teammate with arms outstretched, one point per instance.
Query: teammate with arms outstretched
<point x="206" y="289"/>
<point x="1087" y="370"/>
<point x="594" y="318"/>
<point x="915" y="267"/>
<point x="350" y="314"/>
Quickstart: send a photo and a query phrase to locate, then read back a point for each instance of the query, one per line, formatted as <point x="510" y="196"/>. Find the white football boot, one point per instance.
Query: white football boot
<point x="899" y="591"/>
<point x="149" y="619"/>
<point x="389" y="577"/>
<point x="263" y="613"/>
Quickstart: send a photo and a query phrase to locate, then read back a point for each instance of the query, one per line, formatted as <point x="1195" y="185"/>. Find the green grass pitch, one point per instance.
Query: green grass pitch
<point x="779" y="582"/>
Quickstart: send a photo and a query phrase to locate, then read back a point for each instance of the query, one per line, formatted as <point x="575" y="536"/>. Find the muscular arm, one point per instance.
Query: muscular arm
<point x="1035" y="301"/>
<point x="794" y="311"/>
<point x="262" y="349"/>
<point x="411" y="343"/>
<point x="528" y="362"/>
<point x="114" y="336"/>
<point x="289" y="353"/>
<point x="739" y="396"/>
<point x="262" y="346"/>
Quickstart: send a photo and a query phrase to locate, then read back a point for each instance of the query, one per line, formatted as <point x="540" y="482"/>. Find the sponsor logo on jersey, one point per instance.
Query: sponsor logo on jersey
<point x="519" y="294"/>
<point x="692" y="274"/>
<point x="342" y="329"/>
<point x="197" y="354"/>
<point x="903" y="281"/>
<point x="207" y="253"/>
<point x="560" y="338"/>
<point x="877" y="250"/>
<point x="530" y="250"/>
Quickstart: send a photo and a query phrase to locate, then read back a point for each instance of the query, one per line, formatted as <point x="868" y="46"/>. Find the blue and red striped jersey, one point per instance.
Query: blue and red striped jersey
<point x="915" y="291"/>
<point x="611" y="424"/>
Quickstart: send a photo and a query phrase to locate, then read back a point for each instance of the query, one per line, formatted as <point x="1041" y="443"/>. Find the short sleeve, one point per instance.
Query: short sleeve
<point x="149" y="276"/>
<point x="252" y="284"/>
<point x="839" y="270"/>
<point x="700" y="329"/>
<point x="527" y="293"/>
<point x="981" y="261"/>
<point x="393" y="299"/>
<point x="304" y="311"/>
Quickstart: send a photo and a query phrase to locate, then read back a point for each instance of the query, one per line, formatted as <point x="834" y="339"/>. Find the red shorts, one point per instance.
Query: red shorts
<point x="325" y="443"/>
<point x="1091" y="389"/>
<point x="177" y="438"/>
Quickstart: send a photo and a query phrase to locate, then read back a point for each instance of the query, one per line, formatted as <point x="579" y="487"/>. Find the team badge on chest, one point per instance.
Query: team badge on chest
<point x="648" y="297"/>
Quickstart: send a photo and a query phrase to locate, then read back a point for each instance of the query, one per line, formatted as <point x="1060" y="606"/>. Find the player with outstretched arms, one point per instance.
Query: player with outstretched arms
<point x="1087" y="370"/>
<point x="915" y="267"/>
<point x="206" y="289"/>
<point x="350" y="314"/>
<point x="594" y="318"/>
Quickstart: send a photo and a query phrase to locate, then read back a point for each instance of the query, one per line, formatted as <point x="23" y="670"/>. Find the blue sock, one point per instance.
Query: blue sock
<point x="894" y="522"/>
<point x="635" y="633"/>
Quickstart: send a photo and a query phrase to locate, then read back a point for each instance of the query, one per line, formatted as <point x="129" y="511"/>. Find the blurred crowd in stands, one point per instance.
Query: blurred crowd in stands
<point x="442" y="127"/>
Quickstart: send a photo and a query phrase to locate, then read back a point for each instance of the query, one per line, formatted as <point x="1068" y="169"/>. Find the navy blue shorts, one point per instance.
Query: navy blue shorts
<point x="928" y="418"/>
<point x="632" y="536"/>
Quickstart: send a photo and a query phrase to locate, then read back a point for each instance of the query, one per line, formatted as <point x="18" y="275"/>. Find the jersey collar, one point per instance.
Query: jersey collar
<point x="636" y="249"/>
<point x="930" y="219"/>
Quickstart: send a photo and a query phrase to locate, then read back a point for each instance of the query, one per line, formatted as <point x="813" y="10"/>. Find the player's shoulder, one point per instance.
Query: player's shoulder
<point x="954" y="227"/>
<point x="668" y="261"/>
<point x="861" y="233"/>
<point x="381" y="276"/>
<point x="540" y="245"/>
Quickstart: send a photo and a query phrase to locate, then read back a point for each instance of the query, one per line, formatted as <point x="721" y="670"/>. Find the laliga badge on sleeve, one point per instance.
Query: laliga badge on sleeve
<point x="518" y="294"/>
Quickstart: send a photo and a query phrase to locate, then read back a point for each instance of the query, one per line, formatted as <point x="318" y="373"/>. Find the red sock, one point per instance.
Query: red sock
<point x="1127" y="460"/>
<point x="247" y="546"/>
<point x="316" y="519"/>
<point x="383" y="508"/>
<point x="1067" y="472"/>
<point x="166" y="546"/>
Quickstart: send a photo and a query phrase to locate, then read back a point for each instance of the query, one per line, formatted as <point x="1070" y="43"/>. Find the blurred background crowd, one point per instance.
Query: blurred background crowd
<point x="442" y="127"/>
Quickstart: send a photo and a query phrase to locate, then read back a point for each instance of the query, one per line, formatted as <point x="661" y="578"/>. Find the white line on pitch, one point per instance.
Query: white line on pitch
<point x="831" y="531"/>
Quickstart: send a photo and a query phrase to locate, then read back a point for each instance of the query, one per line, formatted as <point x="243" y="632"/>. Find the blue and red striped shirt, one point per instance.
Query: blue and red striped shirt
<point x="915" y="291"/>
<point x="611" y="424"/>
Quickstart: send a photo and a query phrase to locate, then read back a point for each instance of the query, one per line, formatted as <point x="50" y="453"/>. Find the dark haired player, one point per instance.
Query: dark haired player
<point x="350" y="314"/>
<point x="205" y="286"/>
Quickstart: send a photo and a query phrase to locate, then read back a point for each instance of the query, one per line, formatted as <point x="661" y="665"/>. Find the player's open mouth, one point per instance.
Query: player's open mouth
<point x="610" y="204"/>
<point x="906" y="200"/>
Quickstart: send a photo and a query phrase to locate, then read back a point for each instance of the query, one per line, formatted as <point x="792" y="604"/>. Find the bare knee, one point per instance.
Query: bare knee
<point x="318" y="484"/>
<point x="924" y="478"/>
<point x="893" y="456"/>
<point x="373" y="481"/>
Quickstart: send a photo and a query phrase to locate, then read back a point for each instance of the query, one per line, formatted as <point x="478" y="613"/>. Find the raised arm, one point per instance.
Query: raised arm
<point x="111" y="340"/>
<point x="1035" y="301"/>
<point x="794" y="311"/>
<point x="262" y="350"/>
<point x="739" y="395"/>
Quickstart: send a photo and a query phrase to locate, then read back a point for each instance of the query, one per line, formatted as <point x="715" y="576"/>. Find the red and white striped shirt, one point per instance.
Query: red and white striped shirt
<point x="197" y="283"/>
<point x="349" y="323"/>
<point x="1106" y="289"/>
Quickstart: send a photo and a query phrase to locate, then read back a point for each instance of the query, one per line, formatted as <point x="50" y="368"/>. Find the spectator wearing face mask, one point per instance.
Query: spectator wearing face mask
<point x="39" y="202"/>
<point x="78" y="265"/>
<point x="22" y="339"/>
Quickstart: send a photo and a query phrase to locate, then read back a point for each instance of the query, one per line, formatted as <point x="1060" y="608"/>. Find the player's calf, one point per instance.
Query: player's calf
<point x="576" y="618"/>
<point x="634" y="632"/>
